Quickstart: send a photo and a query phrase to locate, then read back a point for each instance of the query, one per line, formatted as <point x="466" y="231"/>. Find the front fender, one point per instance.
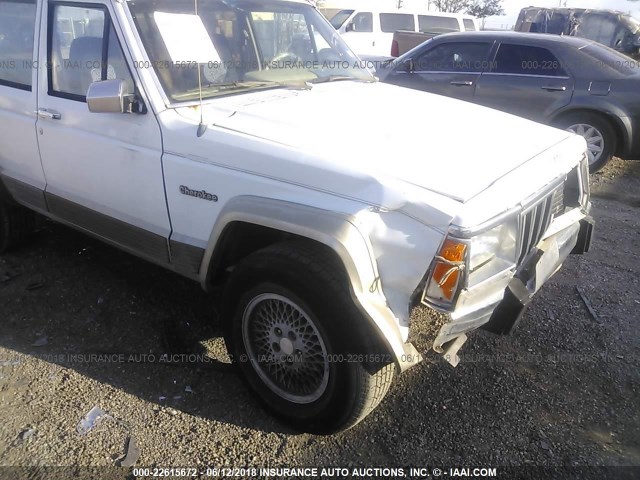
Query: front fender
<point x="338" y="232"/>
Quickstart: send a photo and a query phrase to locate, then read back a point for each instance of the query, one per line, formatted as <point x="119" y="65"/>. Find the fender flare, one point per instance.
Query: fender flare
<point x="336" y="231"/>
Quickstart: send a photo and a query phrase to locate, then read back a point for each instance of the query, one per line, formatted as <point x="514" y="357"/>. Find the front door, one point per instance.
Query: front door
<point x="103" y="170"/>
<point x="446" y="68"/>
<point x="359" y="33"/>
<point x="20" y="168"/>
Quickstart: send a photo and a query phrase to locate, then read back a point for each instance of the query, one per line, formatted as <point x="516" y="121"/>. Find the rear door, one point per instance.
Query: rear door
<point x="525" y="80"/>
<point x="103" y="170"/>
<point x="445" y="68"/>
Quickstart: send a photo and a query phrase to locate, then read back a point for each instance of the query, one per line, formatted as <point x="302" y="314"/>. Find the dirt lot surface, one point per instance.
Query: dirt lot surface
<point x="564" y="389"/>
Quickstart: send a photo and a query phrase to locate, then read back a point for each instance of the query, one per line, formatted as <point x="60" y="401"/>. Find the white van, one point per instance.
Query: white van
<point x="371" y="32"/>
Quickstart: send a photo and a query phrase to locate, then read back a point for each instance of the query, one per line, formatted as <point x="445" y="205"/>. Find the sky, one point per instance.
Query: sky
<point x="512" y="8"/>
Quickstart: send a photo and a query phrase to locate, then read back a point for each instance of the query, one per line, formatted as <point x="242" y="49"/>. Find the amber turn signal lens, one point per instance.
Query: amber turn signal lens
<point x="446" y="273"/>
<point x="453" y="251"/>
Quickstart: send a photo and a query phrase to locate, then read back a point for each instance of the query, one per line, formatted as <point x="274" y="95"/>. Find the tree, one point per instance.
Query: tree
<point x="452" y="6"/>
<point x="487" y="8"/>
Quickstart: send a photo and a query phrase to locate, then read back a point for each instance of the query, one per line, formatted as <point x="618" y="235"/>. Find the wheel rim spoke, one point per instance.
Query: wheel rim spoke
<point x="286" y="348"/>
<point x="593" y="137"/>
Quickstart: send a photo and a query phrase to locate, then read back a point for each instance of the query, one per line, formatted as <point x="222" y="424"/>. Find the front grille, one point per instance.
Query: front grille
<point x="557" y="202"/>
<point x="533" y="223"/>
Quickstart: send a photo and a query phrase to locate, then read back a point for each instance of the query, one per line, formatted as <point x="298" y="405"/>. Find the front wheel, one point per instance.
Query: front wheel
<point x="598" y="133"/>
<point x="292" y="332"/>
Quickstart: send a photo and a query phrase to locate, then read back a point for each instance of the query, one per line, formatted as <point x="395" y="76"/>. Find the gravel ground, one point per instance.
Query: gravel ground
<point x="562" y="390"/>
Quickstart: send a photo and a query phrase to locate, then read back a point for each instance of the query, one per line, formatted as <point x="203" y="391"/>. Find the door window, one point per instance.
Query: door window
<point x="527" y="60"/>
<point x="437" y="24"/>
<point x="83" y="48"/>
<point x="363" y="22"/>
<point x="339" y="18"/>
<point x="469" y="25"/>
<point x="390" y="22"/>
<point x="454" y="57"/>
<point x="17" y="23"/>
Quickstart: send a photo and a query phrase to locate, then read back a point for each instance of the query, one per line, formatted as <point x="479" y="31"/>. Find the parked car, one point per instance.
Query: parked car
<point x="617" y="30"/>
<point x="567" y="82"/>
<point x="212" y="145"/>
<point x="370" y="32"/>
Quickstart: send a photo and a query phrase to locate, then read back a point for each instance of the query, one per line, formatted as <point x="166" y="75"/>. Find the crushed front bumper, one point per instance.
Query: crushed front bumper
<point x="502" y="316"/>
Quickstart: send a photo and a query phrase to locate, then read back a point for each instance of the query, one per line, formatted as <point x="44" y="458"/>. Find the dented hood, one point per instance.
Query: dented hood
<point x="447" y="146"/>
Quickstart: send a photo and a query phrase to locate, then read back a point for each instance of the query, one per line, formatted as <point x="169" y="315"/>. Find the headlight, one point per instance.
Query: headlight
<point x="492" y="252"/>
<point x="466" y="263"/>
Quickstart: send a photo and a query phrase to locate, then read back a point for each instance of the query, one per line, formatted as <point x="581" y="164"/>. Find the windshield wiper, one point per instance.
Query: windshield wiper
<point x="221" y="87"/>
<point x="231" y="86"/>
<point x="339" y="78"/>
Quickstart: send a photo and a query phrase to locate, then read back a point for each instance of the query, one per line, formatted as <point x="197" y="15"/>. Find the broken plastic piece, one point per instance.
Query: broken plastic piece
<point x="131" y="453"/>
<point x="188" y="389"/>
<point x="451" y="351"/>
<point x="91" y="420"/>
<point x="587" y="303"/>
<point x="25" y="434"/>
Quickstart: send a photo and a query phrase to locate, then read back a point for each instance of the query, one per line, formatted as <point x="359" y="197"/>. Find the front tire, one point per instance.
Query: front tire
<point x="292" y="331"/>
<point x="598" y="133"/>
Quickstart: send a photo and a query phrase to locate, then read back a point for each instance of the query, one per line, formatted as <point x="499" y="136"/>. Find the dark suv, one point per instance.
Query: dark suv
<point x="613" y="29"/>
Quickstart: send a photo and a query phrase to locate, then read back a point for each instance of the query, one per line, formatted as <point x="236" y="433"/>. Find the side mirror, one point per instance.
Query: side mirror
<point x="110" y="96"/>
<point x="351" y="27"/>
<point x="408" y="65"/>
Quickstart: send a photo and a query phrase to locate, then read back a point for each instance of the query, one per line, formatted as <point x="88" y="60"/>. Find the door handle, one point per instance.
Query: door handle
<point x="49" y="114"/>
<point x="554" y="88"/>
<point x="462" y="83"/>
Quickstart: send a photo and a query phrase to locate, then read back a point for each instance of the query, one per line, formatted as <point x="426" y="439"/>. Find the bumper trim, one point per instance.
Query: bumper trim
<point x="510" y="311"/>
<point x="584" y="236"/>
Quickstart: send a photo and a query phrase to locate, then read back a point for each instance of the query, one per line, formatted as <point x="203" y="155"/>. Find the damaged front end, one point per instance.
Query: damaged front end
<point x="485" y="277"/>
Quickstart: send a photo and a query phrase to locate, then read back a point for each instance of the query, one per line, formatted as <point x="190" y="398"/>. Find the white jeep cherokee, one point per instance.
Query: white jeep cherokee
<point x="211" y="137"/>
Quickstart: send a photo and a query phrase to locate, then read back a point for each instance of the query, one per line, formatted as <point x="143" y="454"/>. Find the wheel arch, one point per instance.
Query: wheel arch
<point x="620" y="127"/>
<point x="272" y="221"/>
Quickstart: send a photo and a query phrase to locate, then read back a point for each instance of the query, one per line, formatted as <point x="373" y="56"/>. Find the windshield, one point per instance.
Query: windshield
<point x="339" y="18"/>
<point x="233" y="46"/>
